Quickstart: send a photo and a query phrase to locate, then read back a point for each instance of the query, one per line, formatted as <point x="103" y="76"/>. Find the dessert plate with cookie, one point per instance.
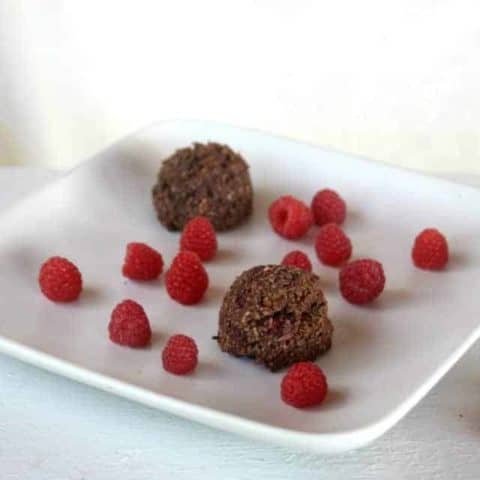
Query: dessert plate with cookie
<point x="323" y="352"/>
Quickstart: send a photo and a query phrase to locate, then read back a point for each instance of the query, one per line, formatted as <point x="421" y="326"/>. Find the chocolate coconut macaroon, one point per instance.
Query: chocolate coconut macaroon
<point x="275" y="314"/>
<point x="210" y="180"/>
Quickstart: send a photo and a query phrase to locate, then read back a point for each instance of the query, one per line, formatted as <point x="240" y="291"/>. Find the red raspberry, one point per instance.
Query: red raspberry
<point x="186" y="280"/>
<point x="296" y="258"/>
<point x="430" y="250"/>
<point x="333" y="247"/>
<point x="290" y="217"/>
<point x="362" y="281"/>
<point x="180" y="355"/>
<point x="199" y="236"/>
<point x="328" y="207"/>
<point x="129" y="325"/>
<point x="60" y="280"/>
<point x="142" y="262"/>
<point x="304" y="385"/>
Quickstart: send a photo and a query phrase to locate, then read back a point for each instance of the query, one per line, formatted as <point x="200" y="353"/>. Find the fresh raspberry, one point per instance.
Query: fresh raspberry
<point x="199" y="236"/>
<point x="290" y="217"/>
<point x="187" y="279"/>
<point x="129" y="325"/>
<point x="304" y="385"/>
<point x="142" y="262"/>
<point x="328" y="207"/>
<point x="362" y="281"/>
<point x="296" y="258"/>
<point x="333" y="247"/>
<point x="430" y="250"/>
<point x="180" y="355"/>
<point x="60" y="280"/>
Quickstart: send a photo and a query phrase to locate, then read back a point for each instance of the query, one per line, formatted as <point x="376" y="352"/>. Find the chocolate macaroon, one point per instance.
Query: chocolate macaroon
<point x="210" y="180"/>
<point x="275" y="314"/>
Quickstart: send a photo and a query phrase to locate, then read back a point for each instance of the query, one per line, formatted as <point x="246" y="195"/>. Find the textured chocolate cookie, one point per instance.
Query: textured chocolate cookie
<point x="275" y="314"/>
<point x="207" y="179"/>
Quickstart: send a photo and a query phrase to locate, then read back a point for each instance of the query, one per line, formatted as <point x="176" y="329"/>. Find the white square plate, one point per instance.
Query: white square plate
<point x="385" y="357"/>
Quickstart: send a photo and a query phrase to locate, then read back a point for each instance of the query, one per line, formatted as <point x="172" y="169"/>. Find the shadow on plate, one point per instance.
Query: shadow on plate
<point x="391" y="299"/>
<point x="353" y="344"/>
<point x="90" y="295"/>
<point x="214" y="294"/>
<point x="207" y="370"/>
<point x="225" y="255"/>
<point x="457" y="261"/>
<point x="336" y="397"/>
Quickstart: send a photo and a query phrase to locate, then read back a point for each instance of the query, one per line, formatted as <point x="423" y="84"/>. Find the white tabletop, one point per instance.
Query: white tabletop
<point x="53" y="428"/>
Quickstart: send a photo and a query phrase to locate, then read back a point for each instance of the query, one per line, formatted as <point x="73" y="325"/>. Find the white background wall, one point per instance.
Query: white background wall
<point x="395" y="81"/>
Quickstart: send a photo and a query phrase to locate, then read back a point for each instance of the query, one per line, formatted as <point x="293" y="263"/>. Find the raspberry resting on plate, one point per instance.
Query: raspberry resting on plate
<point x="142" y="262"/>
<point x="180" y="355"/>
<point x="362" y="281"/>
<point x="60" y="280"/>
<point x="297" y="258"/>
<point x="328" y="207"/>
<point x="187" y="279"/>
<point x="430" y="250"/>
<point x="199" y="236"/>
<point x="290" y="217"/>
<point x="129" y="325"/>
<point x="333" y="247"/>
<point x="304" y="385"/>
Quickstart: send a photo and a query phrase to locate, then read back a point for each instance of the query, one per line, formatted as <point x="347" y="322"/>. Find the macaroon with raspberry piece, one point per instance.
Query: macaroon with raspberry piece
<point x="276" y="315"/>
